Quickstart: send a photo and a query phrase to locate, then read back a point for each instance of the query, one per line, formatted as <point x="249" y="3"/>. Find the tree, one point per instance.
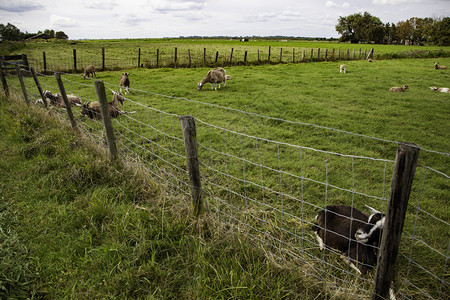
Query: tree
<point x="440" y="34"/>
<point x="10" y="32"/>
<point x="361" y="28"/>
<point x="61" y="35"/>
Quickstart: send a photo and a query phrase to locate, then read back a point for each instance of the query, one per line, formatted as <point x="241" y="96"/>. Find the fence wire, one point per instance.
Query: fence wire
<point x="272" y="190"/>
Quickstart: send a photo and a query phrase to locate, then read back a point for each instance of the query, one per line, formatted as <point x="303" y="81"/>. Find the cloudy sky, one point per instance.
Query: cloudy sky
<point x="87" y="19"/>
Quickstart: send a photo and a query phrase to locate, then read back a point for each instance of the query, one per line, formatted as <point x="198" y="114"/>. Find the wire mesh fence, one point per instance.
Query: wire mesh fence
<point x="272" y="190"/>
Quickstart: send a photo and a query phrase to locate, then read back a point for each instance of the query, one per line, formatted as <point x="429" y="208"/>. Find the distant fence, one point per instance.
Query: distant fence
<point x="77" y="60"/>
<point x="252" y="184"/>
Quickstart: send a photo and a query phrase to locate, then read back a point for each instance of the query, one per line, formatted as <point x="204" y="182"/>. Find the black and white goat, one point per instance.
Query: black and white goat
<point x="352" y="232"/>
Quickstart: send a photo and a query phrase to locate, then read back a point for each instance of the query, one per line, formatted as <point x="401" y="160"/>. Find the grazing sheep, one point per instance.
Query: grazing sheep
<point x="442" y="90"/>
<point x="214" y="77"/>
<point x="93" y="110"/>
<point x="399" y="89"/>
<point x="438" y="67"/>
<point x="342" y="69"/>
<point x="89" y="70"/>
<point x="57" y="99"/>
<point x="125" y="82"/>
<point x="351" y="232"/>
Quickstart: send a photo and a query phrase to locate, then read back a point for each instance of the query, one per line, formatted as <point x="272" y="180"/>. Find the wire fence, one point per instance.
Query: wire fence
<point x="272" y="190"/>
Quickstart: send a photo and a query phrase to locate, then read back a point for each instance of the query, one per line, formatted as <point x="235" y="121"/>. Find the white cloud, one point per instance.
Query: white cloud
<point x="396" y="2"/>
<point x="166" y="6"/>
<point x="60" y="21"/>
<point x="19" y="6"/>
<point x="102" y="5"/>
<point x="332" y="4"/>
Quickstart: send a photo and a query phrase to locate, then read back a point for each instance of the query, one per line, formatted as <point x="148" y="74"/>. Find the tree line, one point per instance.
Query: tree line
<point x="365" y="28"/>
<point x="9" y="32"/>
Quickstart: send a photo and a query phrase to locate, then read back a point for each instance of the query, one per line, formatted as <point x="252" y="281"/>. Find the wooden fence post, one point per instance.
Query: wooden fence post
<point x="189" y="56"/>
<point x="24" y="89"/>
<point x="103" y="58"/>
<point x="370" y="53"/>
<point x="217" y="56"/>
<point x="38" y="85"/>
<point x="312" y="52"/>
<point x="139" y="58"/>
<point x="318" y="54"/>
<point x="26" y="66"/>
<point x="303" y="55"/>
<point x="293" y="55"/>
<point x="110" y="139"/>
<point x="157" y="58"/>
<point x="231" y="55"/>
<point x="4" y="83"/>
<point x="204" y="56"/>
<point x="44" y="59"/>
<point x="75" y="59"/>
<point x="245" y="57"/>
<point x="190" y="146"/>
<point x="176" y="56"/>
<point x="268" y="58"/>
<point x="402" y="179"/>
<point x="326" y="54"/>
<point x="66" y="101"/>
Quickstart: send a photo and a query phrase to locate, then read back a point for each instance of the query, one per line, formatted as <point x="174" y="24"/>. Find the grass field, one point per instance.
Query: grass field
<point x="314" y="93"/>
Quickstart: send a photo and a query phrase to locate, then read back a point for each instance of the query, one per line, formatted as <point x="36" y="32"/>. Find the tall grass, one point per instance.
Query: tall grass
<point x="73" y="225"/>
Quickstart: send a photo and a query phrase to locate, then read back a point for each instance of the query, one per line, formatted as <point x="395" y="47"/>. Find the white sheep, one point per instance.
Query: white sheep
<point x="442" y="90"/>
<point x="214" y="77"/>
<point x="438" y="67"/>
<point x="398" y="89"/>
<point x="89" y="70"/>
<point x="125" y="82"/>
<point x="342" y="68"/>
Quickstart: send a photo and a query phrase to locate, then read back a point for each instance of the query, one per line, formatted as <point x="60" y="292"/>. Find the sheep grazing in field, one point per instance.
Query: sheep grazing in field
<point x="214" y="77"/>
<point x="89" y="70"/>
<point x="351" y="232"/>
<point x="57" y="99"/>
<point x="398" y="88"/>
<point x="125" y="82"/>
<point x="93" y="110"/>
<point x="342" y="69"/>
<point x="438" y="67"/>
<point x="442" y="90"/>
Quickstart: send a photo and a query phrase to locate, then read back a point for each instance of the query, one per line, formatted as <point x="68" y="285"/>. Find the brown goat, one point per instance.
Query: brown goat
<point x="89" y="70"/>
<point x="93" y="110"/>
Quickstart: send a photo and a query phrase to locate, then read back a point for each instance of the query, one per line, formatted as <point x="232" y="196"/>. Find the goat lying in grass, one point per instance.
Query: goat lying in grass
<point x="57" y="99"/>
<point x="352" y="232"/>
<point x="442" y="90"/>
<point x="93" y="111"/>
<point x="438" y="67"/>
<point x="398" y="88"/>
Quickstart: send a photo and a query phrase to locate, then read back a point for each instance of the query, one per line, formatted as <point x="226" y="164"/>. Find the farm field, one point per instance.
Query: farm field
<point x="309" y="105"/>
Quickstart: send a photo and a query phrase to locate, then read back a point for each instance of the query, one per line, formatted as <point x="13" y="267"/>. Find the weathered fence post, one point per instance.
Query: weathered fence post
<point x="281" y="55"/>
<point x="326" y="54"/>
<point x="318" y="54"/>
<point x="204" y="56"/>
<point x="312" y="53"/>
<point x="303" y="55"/>
<point x="66" y="101"/>
<point x="110" y="139"/>
<point x="75" y="59"/>
<point x="26" y="66"/>
<point x="190" y="146"/>
<point x="103" y="58"/>
<point x="268" y="58"/>
<point x="231" y="55"/>
<point x="139" y="58"/>
<point x="44" y="59"/>
<point x="293" y="55"/>
<point x="370" y="53"/>
<point x="4" y="83"/>
<point x="258" y="55"/>
<point x="245" y="57"/>
<point x="176" y="56"/>
<point x="189" y="56"/>
<point x="402" y="179"/>
<point x="217" y="56"/>
<point x="22" y="84"/>
<point x="157" y="58"/>
<point x="38" y="85"/>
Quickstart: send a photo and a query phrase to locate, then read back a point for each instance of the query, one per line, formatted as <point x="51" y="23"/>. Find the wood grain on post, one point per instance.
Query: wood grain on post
<point x="4" y="83"/>
<point x="190" y="146"/>
<point x="38" y="85"/>
<point x="402" y="179"/>
<point x="66" y="101"/>
<point x="22" y="85"/>
<point x="110" y="139"/>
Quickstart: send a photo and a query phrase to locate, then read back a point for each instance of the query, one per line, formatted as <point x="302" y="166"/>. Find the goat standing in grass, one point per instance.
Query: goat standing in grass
<point x="89" y="70"/>
<point x="125" y="82"/>
<point x="214" y="77"/>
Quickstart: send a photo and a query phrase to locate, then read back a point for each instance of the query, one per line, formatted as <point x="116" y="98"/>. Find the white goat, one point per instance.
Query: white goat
<point x="342" y="69"/>
<point x="89" y="70"/>
<point x="125" y="82"/>
<point x="399" y="89"/>
<point x="438" y="67"/>
<point x="442" y="90"/>
<point x="214" y="77"/>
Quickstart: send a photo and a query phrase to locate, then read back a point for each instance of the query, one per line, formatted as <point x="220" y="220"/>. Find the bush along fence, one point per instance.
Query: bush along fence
<point x="249" y="183"/>
<point x="76" y="61"/>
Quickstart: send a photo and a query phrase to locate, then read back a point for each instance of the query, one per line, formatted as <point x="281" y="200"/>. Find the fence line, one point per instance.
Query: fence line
<point x="254" y="185"/>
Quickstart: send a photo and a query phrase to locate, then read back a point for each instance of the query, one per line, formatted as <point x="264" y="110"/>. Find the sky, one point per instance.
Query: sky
<point x="110" y="19"/>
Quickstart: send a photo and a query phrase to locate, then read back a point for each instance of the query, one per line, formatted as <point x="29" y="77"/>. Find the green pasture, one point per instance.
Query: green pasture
<point x="315" y="93"/>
